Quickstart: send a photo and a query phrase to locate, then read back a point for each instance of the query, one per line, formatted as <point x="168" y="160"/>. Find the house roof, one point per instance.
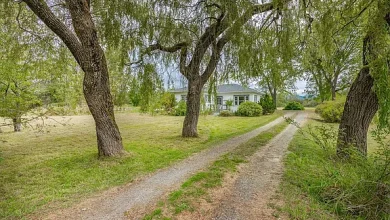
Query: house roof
<point x="229" y="88"/>
<point x="224" y="88"/>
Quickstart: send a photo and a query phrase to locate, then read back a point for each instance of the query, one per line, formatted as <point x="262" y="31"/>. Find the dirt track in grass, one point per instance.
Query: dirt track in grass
<point x="137" y="196"/>
<point x="250" y="193"/>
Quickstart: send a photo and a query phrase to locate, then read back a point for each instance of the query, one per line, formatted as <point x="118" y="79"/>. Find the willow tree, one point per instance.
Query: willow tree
<point x="370" y="91"/>
<point x="197" y="33"/>
<point x="266" y="54"/>
<point x="331" y="52"/>
<point x="83" y="42"/>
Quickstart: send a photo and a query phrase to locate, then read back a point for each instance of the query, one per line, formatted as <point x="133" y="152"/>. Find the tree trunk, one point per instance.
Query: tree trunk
<point x="96" y="81"/>
<point x="17" y="122"/>
<point x="273" y="94"/>
<point x="359" y="110"/>
<point x="333" y="91"/>
<point x="334" y="83"/>
<point x="190" y="124"/>
<point x="85" y="47"/>
<point x="99" y="100"/>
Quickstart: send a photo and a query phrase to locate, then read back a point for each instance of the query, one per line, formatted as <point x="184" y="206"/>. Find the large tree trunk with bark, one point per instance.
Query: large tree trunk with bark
<point x="361" y="104"/>
<point x="99" y="100"/>
<point x="190" y="125"/>
<point x="85" y="47"/>
<point x="96" y="81"/>
<point x="359" y="110"/>
<point x="17" y="122"/>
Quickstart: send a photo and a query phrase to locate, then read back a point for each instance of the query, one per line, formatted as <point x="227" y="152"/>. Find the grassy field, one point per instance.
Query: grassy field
<point x="59" y="166"/>
<point x="316" y="185"/>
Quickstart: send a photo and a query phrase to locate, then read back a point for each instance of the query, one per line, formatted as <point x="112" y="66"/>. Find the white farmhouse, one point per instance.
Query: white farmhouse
<point x="234" y="92"/>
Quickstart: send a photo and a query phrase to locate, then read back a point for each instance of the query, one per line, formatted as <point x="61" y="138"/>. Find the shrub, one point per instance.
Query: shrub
<point x="180" y="109"/>
<point x="168" y="102"/>
<point x="225" y="113"/>
<point x="267" y="104"/>
<point x="249" y="109"/>
<point x="294" y="106"/>
<point x="229" y="104"/>
<point x="207" y="111"/>
<point x="331" y="111"/>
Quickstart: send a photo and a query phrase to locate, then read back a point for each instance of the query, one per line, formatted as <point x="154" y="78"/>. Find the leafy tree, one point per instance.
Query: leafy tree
<point x="17" y="97"/>
<point x="18" y="66"/>
<point x="134" y="93"/>
<point x="120" y="81"/>
<point x="82" y="41"/>
<point x="150" y="88"/>
<point x="59" y="81"/>
<point x="370" y="90"/>
<point x="331" y="64"/>
<point x="199" y="32"/>
<point x="267" y="104"/>
<point x="267" y="54"/>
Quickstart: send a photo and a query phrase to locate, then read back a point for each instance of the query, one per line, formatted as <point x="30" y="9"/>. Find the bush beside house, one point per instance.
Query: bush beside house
<point x="225" y="113"/>
<point x="249" y="109"/>
<point x="168" y="102"/>
<point x="180" y="109"/>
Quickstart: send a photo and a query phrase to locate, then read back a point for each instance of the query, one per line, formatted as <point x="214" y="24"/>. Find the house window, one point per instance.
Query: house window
<point x="238" y="99"/>
<point x="255" y="98"/>
<point x="207" y="98"/>
<point x="184" y="98"/>
<point x="219" y="100"/>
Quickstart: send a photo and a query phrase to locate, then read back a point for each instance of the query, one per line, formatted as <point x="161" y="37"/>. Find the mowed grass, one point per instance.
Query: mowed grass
<point x="57" y="167"/>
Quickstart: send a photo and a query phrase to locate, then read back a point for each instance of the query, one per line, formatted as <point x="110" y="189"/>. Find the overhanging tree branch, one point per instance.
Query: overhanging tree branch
<point x="42" y="10"/>
<point x="183" y="47"/>
<point x="215" y="56"/>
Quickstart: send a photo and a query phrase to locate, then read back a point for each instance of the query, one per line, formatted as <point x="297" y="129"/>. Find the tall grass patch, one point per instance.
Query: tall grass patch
<point x="317" y="185"/>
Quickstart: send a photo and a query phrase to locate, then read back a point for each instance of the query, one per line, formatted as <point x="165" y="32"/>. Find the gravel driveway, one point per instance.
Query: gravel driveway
<point x="248" y="196"/>
<point x="136" y="196"/>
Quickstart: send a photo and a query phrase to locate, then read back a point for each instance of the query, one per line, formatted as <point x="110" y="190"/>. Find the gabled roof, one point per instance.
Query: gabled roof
<point x="231" y="88"/>
<point x="224" y="88"/>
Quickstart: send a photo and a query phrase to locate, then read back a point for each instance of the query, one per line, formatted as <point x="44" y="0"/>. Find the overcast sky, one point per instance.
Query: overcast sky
<point x="301" y="85"/>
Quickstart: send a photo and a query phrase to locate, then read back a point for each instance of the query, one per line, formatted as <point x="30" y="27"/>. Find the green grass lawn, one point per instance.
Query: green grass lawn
<point x="57" y="167"/>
